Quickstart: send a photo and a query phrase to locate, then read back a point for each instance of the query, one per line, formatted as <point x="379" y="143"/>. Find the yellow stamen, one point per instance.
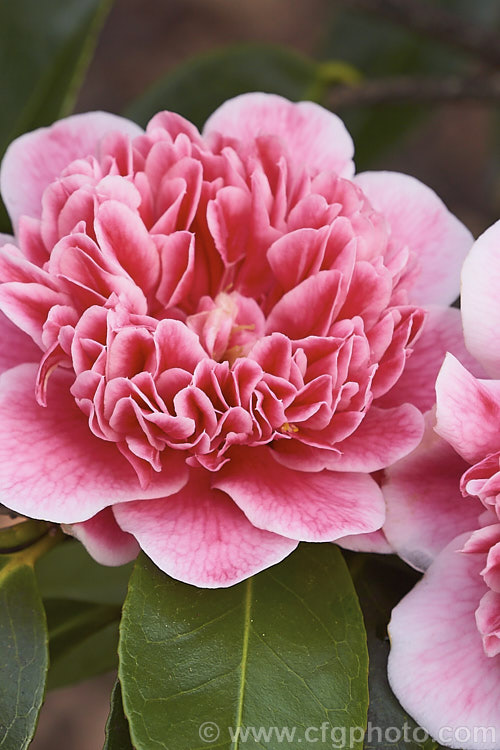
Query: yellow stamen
<point x="233" y="353"/>
<point x="249" y="327"/>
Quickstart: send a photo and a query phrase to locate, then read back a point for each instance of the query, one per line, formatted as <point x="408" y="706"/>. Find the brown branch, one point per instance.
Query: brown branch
<point x="406" y="89"/>
<point x="421" y="16"/>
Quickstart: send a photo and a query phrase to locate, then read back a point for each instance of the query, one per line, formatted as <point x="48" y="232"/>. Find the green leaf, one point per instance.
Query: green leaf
<point x="117" y="729"/>
<point x="381" y="582"/>
<point x="92" y="656"/>
<point x="284" y="649"/>
<point x="20" y="535"/>
<point x="70" y="622"/>
<point x="83" y="601"/>
<point x="68" y="572"/>
<point x="45" y="49"/>
<point x="23" y="653"/>
<point x="197" y="87"/>
<point x="83" y="640"/>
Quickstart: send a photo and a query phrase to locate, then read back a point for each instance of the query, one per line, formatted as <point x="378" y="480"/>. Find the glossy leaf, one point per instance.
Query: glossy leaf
<point x="197" y="87"/>
<point x="23" y="653"/>
<point x="286" y="648"/>
<point x="68" y="572"/>
<point x="117" y="729"/>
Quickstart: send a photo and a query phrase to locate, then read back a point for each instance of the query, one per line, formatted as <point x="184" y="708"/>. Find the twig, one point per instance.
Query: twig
<point x="416" y="89"/>
<point x="421" y="16"/>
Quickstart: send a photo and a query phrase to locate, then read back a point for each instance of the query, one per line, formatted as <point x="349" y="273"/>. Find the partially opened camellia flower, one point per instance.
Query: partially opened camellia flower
<point x="221" y="327"/>
<point x="445" y="658"/>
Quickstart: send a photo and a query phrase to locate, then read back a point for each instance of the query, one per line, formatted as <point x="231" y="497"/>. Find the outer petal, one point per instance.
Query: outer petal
<point x="200" y="536"/>
<point x="425" y="509"/>
<point x="383" y="437"/>
<point x="52" y="466"/>
<point x="16" y="347"/>
<point x="442" y="333"/>
<point x="314" y="136"/>
<point x="468" y="411"/>
<point x="419" y="219"/>
<point x="437" y="666"/>
<point x="374" y="542"/>
<point x="33" y="160"/>
<point x="28" y="304"/>
<point x="480" y="303"/>
<point x="104" y="539"/>
<point x="315" y="507"/>
<point x="6" y="239"/>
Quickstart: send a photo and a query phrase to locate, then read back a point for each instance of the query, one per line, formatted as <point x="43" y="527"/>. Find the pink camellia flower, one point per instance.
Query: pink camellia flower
<point x="445" y="657"/>
<point x="222" y="326"/>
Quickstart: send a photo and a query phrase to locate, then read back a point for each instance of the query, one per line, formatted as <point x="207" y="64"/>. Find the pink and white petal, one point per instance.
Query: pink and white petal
<point x="35" y="159"/>
<point x="317" y="507"/>
<point x="383" y="437"/>
<point x="468" y="411"/>
<point x="175" y="125"/>
<point x="488" y="622"/>
<point x="28" y="305"/>
<point x="16" y="347"/>
<point x="437" y="666"/>
<point x="124" y="239"/>
<point x="6" y="239"/>
<point x="302" y="457"/>
<point x="374" y="542"/>
<point x="315" y="137"/>
<point x="104" y="540"/>
<point x="425" y="509"/>
<point x="200" y="536"/>
<point x="479" y="302"/>
<point x="442" y="333"/>
<point x="419" y="219"/>
<point x="52" y="467"/>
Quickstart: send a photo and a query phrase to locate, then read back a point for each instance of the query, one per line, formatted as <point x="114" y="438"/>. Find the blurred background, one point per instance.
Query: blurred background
<point x="453" y="147"/>
<point x="449" y="141"/>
